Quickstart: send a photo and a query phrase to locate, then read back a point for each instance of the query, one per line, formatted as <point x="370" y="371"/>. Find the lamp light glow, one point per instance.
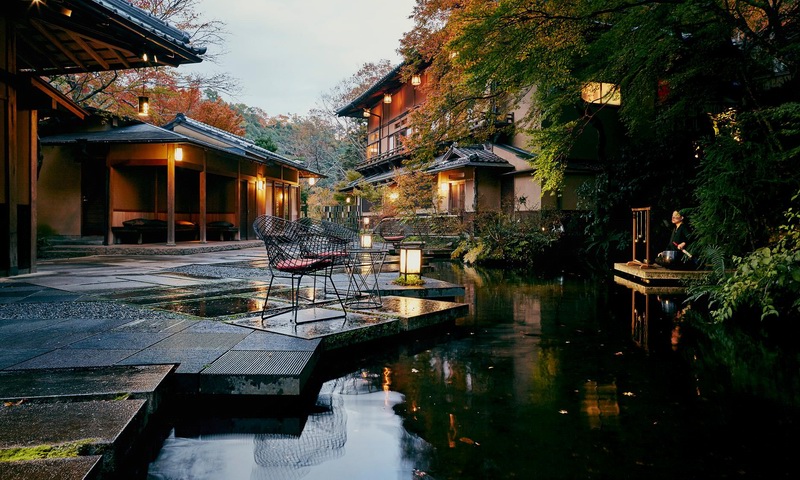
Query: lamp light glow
<point x="144" y="106"/>
<point x="312" y="181"/>
<point x="416" y="79"/>
<point x="410" y="260"/>
<point x="178" y="154"/>
<point x="366" y="240"/>
<point x="387" y="98"/>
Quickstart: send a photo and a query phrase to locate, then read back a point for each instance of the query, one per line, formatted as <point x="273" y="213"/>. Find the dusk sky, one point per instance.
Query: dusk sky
<point x="286" y="53"/>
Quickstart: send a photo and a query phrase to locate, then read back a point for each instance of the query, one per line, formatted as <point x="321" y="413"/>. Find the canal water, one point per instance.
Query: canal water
<point x="546" y="378"/>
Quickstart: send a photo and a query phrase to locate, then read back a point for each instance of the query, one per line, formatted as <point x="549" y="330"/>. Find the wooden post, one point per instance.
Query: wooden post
<point x="10" y="152"/>
<point x="203" y="203"/>
<point x="170" y="195"/>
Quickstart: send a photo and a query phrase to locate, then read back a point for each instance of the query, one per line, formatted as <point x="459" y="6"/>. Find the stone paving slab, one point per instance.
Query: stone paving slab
<point x="13" y="356"/>
<point x="201" y="341"/>
<point x="61" y="423"/>
<point x="120" y="340"/>
<point x="69" y="383"/>
<point x="77" y="468"/>
<point x="276" y="342"/>
<point x="67" y="358"/>
<point x="189" y="360"/>
<point x="250" y="372"/>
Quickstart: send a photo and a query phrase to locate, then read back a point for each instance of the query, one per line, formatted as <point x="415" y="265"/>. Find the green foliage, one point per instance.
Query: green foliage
<point x="267" y="142"/>
<point x="766" y="281"/>
<point x="410" y="281"/>
<point x="504" y="238"/>
<point x="748" y="169"/>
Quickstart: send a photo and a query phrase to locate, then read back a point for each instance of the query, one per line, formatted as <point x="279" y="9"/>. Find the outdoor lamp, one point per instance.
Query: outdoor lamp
<point x="261" y="184"/>
<point x="178" y="154"/>
<point x="366" y="113"/>
<point x="366" y="240"/>
<point x="312" y="181"/>
<point x="387" y="98"/>
<point x="144" y="106"/>
<point x="410" y="260"/>
<point x="416" y="79"/>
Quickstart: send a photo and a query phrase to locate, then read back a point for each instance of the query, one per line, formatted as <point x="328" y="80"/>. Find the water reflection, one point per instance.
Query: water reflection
<point x="549" y="378"/>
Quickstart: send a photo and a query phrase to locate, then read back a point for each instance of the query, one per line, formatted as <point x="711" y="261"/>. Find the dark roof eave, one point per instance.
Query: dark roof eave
<point x="356" y="106"/>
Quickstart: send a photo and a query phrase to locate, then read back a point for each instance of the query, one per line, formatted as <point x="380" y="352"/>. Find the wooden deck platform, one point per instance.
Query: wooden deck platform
<point x="656" y="274"/>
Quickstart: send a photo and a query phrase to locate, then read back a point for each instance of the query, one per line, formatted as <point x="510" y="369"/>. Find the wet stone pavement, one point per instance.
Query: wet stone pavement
<point x="197" y="315"/>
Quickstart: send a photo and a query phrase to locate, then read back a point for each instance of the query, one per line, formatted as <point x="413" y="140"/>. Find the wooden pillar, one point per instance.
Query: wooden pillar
<point x="112" y="178"/>
<point x="170" y="195"/>
<point x="203" y="200"/>
<point x="10" y="152"/>
<point x="33" y="176"/>
<point x="237" y="202"/>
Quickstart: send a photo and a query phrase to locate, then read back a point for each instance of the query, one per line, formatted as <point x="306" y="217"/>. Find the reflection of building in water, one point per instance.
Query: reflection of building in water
<point x="655" y="315"/>
<point x="600" y="405"/>
<point x="287" y="456"/>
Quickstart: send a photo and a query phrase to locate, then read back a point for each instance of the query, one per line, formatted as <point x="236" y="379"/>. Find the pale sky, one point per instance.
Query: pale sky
<point x="286" y="53"/>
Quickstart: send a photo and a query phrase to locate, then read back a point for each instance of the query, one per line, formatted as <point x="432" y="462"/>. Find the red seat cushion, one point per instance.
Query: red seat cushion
<point x="302" y="264"/>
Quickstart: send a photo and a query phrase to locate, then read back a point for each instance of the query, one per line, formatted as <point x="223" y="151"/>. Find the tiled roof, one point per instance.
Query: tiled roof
<point x="389" y="81"/>
<point x="137" y="133"/>
<point x="469" y="156"/>
<point x="240" y="145"/>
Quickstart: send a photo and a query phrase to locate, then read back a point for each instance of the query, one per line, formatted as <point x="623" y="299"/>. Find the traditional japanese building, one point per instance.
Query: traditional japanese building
<point x="41" y="38"/>
<point x="492" y="176"/>
<point x="123" y="180"/>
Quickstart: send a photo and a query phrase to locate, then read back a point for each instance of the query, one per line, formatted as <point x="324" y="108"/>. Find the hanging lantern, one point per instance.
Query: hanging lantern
<point x="144" y="106"/>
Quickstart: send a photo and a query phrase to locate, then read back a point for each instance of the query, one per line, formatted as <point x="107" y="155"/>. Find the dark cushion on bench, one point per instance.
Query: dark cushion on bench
<point x="220" y="224"/>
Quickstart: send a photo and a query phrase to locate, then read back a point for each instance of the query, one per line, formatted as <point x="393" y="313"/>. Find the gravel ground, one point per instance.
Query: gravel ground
<point x="79" y="310"/>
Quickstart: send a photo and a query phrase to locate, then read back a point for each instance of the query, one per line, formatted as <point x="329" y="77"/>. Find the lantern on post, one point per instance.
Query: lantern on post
<point x="366" y="240"/>
<point x="410" y="260"/>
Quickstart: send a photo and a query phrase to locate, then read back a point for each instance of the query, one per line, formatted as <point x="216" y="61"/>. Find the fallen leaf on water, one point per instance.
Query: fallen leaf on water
<point x="618" y="353"/>
<point x="629" y="394"/>
<point x="14" y="404"/>
<point x="468" y="441"/>
<point x="563" y="412"/>
<point x="414" y="370"/>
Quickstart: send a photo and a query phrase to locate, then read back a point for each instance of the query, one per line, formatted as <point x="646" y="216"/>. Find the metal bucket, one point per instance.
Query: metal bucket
<point x="668" y="259"/>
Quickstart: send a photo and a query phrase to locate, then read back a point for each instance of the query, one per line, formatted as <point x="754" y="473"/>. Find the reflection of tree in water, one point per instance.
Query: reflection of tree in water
<point x="287" y="456"/>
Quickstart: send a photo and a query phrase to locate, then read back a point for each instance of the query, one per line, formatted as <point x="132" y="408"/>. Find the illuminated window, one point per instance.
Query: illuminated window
<point x="597" y="92"/>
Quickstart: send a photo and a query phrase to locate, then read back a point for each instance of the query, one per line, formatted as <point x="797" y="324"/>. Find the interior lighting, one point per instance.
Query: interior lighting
<point x="387" y="98"/>
<point x="416" y="79"/>
<point x="178" y="154"/>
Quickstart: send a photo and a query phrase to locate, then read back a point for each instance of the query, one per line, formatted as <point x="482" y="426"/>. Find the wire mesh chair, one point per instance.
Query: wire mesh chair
<point x="294" y="252"/>
<point x="339" y="238"/>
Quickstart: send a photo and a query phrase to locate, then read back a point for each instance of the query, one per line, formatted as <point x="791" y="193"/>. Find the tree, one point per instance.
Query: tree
<point x="677" y="65"/>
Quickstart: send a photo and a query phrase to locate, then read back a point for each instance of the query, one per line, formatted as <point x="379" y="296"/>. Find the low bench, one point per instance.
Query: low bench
<point x="221" y="230"/>
<point x="147" y="230"/>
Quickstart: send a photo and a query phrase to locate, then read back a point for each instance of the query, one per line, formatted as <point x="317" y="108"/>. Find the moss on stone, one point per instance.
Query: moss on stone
<point x="64" y="450"/>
